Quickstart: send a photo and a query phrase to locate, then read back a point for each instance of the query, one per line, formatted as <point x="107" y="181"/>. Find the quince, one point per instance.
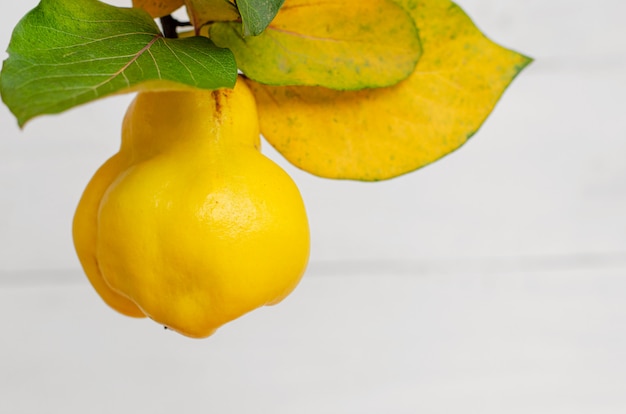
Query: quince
<point x="189" y="224"/>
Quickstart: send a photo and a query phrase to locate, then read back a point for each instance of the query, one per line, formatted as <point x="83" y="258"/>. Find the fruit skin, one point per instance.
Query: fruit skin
<point x="189" y="224"/>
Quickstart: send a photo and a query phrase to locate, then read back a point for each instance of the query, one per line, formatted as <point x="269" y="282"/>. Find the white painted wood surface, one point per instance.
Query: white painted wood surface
<point x="490" y="282"/>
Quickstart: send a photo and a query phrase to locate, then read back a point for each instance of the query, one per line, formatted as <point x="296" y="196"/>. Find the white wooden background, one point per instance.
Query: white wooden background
<point x="492" y="281"/>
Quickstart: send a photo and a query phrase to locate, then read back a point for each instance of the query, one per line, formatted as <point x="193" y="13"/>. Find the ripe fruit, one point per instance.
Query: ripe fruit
<point x="189" y="224"/>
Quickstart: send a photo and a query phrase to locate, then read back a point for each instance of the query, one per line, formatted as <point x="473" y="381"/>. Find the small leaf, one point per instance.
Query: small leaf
<point x="203" y="11"/>
<point x="353" y="44"/>
<point x="257" y="14"/>
<point x="382" y="133"/>
<point x="64" y="53"/>
<point x="158" y="8"/>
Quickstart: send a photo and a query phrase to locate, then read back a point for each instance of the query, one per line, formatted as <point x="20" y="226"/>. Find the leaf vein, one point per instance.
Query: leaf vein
<point x="208" y="55"/>
<point x="92" y="41"/>
<point x="180" y="61"/>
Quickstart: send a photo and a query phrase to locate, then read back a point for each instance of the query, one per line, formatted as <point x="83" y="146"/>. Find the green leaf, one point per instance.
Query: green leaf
<point x="65" y="53"/>
<point x="257" y="14"/>
<point x="348" y="45"/>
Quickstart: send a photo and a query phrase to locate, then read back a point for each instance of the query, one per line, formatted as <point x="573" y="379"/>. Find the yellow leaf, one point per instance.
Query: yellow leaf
<point x="158" y="8"/>
<point x="347" y="45"/>
<point x="382" y="133"/>
<point x="203" y="11"/>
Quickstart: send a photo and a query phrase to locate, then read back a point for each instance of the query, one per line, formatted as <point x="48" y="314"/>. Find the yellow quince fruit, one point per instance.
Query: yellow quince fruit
<point x="189" y="224"/>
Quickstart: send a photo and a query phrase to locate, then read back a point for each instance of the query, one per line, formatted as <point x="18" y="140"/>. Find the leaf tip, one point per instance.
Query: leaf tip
<point x="526" y="60"/>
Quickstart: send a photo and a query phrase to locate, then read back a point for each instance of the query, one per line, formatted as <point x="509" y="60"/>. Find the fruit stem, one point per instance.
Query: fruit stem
<point x="169" y="25"/>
